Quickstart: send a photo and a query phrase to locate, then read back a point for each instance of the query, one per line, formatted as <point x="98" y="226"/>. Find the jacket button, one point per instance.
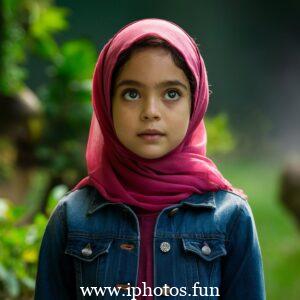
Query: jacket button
<point x="165" y="247"/>
<point x="166" y="290"/>
<point x="87" y="251"/>
<point x="206" y="250"/>
<point x="127" y="246"/>
<point x="173" y="211"/>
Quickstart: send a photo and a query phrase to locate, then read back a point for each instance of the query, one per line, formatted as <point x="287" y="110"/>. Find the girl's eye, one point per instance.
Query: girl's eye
<point x="173" y="95"/>
<point x="130" y="94"/>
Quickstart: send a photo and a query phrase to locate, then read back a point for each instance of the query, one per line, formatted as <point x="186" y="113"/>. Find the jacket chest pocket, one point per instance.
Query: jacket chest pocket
<point x="90" y="259"/>
<point x="203" y="261"/>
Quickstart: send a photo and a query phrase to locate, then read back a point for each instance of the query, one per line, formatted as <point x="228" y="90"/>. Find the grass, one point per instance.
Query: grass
<point x="277" y="230"/>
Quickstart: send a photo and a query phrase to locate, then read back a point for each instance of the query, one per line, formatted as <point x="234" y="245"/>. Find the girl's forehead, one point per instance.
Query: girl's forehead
<point x="149" y="62"/>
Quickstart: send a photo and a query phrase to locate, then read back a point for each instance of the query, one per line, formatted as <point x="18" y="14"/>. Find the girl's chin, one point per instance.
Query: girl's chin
<point x="152" y="154"/>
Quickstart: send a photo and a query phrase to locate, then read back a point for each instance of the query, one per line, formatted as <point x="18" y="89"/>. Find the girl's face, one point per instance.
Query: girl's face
<point x="151" y="92"/>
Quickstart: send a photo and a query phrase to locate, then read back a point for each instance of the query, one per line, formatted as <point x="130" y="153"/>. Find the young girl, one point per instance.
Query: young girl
<point x="154" y="217"/>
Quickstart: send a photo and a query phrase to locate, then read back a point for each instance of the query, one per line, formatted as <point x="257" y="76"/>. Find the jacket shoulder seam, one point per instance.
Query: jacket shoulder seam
<point x="236" y="217"/>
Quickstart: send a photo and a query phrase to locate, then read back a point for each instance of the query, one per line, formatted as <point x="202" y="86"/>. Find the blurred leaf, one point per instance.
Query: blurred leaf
<point x="77" y="60"/>
<point x="35" y="126"/>
<point x="46" y="47"/>
<point x="10" y="281"/>
<point x="30" y="255"/>
<point x="4" y="210"/>
<point x="40" y="221"/>
<point x="32" y="235"/>
<point x="48" y="20"/>
<point x="54" y="197"/>
<point x="220" y="139"/>
<point x="28" y="282"/>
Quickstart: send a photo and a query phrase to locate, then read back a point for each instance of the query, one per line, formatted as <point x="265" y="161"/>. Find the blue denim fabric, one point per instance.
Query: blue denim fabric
<point x="210" y="239"/>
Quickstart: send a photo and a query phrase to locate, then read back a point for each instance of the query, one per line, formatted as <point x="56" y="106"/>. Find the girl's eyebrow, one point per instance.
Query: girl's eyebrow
<point x="158" y="85"/>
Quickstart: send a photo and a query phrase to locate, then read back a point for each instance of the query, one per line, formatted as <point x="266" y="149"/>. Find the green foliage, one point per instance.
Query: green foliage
<point x="20" y="246"/>
<point x="27" y="26"/>
<point x="220" y="138"/>
<point x="65" y="96"/>
<point x="11" y="47"/>
<point x="7" y="158"/>
<point x="47" y="21"/>
<point x="67" y="109"/>
<point x="76" y="61"/>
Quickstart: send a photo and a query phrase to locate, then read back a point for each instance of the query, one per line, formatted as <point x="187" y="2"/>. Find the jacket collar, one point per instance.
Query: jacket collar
<point x="206" y="200"/>
<point x="200" y="200"/>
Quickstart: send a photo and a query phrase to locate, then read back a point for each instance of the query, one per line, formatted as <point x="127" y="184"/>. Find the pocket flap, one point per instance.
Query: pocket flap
<point x="87" y="248"/>
<point x="208" y="249"/>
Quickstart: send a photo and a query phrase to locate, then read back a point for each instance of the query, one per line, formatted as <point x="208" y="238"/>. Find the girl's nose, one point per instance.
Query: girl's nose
<point x="150" y="109"/>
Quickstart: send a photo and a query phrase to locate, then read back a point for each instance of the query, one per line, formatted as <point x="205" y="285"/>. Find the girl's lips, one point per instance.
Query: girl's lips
<point x="151" y="137"/>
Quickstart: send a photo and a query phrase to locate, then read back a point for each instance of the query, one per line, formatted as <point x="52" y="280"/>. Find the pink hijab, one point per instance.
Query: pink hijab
<point x="122" y="176"/>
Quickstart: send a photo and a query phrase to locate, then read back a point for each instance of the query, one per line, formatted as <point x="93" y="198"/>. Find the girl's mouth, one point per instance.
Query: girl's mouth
<point x="151" y="137"/>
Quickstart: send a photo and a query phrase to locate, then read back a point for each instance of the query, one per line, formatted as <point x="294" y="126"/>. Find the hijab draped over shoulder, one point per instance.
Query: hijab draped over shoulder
<point x="122" y="176"/>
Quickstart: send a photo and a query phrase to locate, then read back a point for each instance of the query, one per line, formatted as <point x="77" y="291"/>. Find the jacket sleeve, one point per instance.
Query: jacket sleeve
<point x="242" y="269"/>
<point x="55" y="274"/>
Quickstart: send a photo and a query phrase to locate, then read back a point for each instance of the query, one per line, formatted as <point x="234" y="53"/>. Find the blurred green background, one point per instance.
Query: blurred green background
<point x="48" y="50"/>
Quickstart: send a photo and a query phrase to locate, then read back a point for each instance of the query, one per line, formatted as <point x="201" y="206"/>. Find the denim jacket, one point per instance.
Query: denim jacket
<point x="206" y="240"/>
